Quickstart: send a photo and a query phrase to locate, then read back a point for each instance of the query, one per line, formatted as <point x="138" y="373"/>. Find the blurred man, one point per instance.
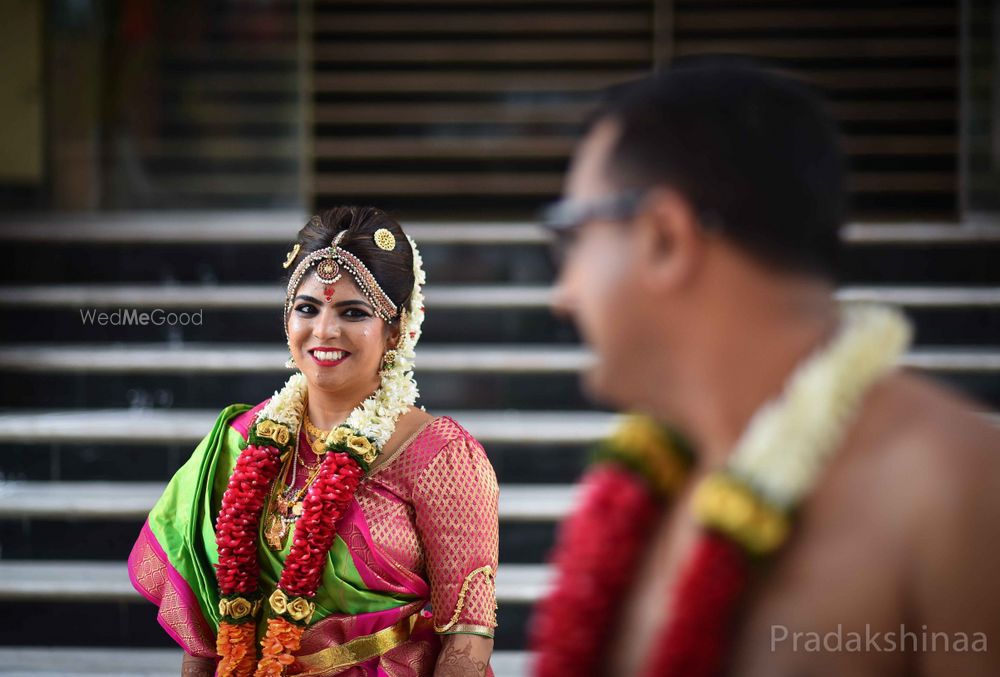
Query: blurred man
<point x="848" y="528"/>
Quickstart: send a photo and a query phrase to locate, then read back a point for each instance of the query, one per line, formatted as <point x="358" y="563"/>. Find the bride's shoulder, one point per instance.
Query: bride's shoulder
<point x="442" y="433"/>
<point x="241" y="422"/>
<point x="449" y="456"/>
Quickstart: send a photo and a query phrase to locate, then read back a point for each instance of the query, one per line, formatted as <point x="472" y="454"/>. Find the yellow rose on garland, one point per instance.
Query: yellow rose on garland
<point x="278" y="601"/>
<point x="301" y="609"/>
<point x="339" y="435"/>
<point x="363" y="447"/>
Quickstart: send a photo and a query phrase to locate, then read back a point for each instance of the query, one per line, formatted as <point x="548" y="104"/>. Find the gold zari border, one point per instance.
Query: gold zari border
<point x="460" y="604"/>
<point x="357" y="650"/>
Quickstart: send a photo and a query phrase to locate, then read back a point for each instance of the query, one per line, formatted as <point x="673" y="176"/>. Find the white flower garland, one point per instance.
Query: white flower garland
<point x="286" y="405"/>
<point x="376" y="417"/>
<point x="789" y="440"/>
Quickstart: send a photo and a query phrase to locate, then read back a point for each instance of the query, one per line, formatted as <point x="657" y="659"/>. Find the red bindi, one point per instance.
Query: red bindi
<point x="328" y="292"/>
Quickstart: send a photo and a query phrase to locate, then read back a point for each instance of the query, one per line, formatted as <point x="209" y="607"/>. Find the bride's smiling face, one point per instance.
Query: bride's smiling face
<point x="336" y="339"/>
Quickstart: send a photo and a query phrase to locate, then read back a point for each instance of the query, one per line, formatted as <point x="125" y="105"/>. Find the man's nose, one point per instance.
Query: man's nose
<point x="562" y="300"/>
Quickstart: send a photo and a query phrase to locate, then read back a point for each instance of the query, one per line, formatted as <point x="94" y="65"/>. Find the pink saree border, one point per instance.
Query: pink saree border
<point x="179" y="613"/>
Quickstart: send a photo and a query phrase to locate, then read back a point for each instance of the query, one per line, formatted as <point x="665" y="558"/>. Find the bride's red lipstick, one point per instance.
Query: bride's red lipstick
<point x="326" y="361"/>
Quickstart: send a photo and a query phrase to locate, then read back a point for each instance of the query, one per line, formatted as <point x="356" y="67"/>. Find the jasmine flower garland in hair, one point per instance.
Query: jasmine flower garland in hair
<point x="376" y="417"/>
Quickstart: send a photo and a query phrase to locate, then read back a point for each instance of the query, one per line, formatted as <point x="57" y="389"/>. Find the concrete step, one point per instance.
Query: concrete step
<point x="521" y="359"/>
<point x="124" y="662"/>
<point x="84" y="581"/>
<point x="157" y="358"/>
<point x="261" y="296"/>
<point x="276" y="227"/>
<point x="133" y="500"/>
<point x="512" y="253"/>
<point x="188" y="426"/>
<point x="517" y="297"/>
<point x="234" y="227"/>
<point x="482" y="314"/>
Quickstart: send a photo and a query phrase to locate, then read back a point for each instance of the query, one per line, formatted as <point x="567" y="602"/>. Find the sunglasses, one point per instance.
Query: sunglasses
<point x="564" y="218"/>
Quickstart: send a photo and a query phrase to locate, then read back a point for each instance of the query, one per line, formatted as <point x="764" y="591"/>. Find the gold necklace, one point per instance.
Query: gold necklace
<point x="318" y="442"/>
<point x="284" y="506"/>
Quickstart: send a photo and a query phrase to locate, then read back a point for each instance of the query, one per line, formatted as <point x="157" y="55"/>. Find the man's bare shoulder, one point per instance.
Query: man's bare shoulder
<point x="899" y="532"/>
<point x="941" y="462"/>
<point x="935" y="458"/>
<point x="917" y="432"/>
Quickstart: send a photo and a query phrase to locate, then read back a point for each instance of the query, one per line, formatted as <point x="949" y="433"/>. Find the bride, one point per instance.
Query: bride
<point x="334" y="528"/>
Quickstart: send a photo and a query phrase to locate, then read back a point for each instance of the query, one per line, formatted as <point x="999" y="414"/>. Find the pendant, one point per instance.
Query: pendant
<point x="283" y="504"/>
<point x="318" y="446"/>
<point x="297" y="509"/>
<point x="275" y="533"/>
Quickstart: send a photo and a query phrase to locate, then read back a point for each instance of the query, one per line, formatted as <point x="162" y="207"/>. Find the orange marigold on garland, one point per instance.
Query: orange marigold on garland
<point x="236" y="645"/>
<point x="279" y="645"/>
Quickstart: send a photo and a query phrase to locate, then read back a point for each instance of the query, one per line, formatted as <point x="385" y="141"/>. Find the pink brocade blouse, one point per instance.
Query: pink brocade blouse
<point x="433" y="510"/>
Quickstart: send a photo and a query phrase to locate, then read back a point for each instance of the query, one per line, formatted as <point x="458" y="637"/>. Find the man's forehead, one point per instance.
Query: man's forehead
<point x="587" y="177"/>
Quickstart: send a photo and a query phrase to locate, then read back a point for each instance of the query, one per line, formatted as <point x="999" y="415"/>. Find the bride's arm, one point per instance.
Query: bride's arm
<point x="192" y="666"/>
<point x="463" y="656"/>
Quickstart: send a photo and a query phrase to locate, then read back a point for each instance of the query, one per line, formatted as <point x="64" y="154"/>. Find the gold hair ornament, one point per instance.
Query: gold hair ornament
<point x="385" y="240"/>
<point x="291" y="255"/>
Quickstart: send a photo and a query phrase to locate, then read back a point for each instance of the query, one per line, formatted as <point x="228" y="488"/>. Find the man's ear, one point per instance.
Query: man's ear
<point x="671" y="242"/>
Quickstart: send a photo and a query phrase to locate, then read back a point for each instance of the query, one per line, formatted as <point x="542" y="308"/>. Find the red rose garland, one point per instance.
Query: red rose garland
<point x="315" y="530"/>
<point x="636" y="470"/>
<point x="236" y="525"/>
<point x="238" y="570"/>
<point x="598" y="551"/>
<point x="599" y="548"/>
<point x="696" y="639"/>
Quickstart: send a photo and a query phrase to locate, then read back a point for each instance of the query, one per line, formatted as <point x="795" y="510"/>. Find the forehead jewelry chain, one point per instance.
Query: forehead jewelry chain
<point x="328" y="265"/>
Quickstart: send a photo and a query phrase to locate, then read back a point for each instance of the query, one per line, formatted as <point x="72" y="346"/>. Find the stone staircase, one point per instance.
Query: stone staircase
<point x="96" y="418"/>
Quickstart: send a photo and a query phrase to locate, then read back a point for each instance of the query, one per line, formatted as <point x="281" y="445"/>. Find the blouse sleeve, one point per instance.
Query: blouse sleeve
<point x="455" y="501"/>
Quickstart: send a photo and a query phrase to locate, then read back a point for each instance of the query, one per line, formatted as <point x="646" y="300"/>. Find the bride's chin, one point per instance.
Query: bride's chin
<point x="320" y="379"/>
<point x="325" y="380"/>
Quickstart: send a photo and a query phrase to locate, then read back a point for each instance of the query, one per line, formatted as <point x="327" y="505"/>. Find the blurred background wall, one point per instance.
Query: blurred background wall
<point x="461" y="108"/>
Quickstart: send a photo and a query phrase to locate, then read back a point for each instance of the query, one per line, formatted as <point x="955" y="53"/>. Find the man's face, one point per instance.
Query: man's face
<point x="597" y="285"/>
